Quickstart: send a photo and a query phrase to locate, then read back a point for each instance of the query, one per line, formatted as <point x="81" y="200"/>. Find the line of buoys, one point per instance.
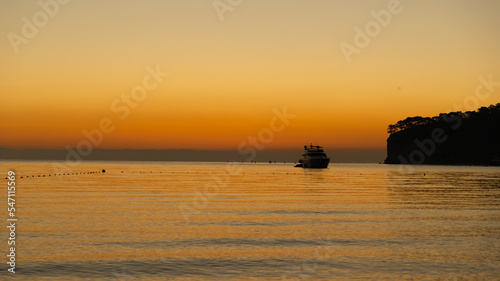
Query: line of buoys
<point x="104" y="171"/>
<point x="63" y="174"/>
<point x="270" y="162"/>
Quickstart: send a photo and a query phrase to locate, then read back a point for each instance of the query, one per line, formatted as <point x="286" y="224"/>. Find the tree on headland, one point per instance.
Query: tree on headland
<point x="454" y="138"/>
<point x="416" y="121"/>
<point x="409" y="123"/>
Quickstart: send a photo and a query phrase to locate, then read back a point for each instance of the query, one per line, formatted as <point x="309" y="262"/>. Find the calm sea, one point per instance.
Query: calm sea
<point x="211" y="221"/>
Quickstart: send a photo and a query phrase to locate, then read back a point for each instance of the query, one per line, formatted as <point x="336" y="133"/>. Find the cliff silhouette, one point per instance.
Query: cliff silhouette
<point x="455" y="138"/>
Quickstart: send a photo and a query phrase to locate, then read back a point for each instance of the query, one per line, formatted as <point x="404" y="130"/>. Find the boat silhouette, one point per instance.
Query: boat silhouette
<point x="313" y="157"/>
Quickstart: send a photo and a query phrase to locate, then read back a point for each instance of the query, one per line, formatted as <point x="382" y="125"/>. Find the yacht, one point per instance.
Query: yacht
<point x="313" y="157"/>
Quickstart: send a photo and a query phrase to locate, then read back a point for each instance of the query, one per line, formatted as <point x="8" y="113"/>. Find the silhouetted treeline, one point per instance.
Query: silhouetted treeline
<point x="465" y="138"/>
<point x="411" y="122"/>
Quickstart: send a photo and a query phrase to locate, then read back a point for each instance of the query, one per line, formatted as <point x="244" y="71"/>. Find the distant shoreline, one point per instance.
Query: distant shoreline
<point x="442" y="164"/>
<point x="332" y="165"/>
<point x="289" y="156"/>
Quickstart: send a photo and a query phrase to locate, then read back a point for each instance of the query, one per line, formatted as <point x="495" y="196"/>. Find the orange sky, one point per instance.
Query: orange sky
<point x="227" y="76"/>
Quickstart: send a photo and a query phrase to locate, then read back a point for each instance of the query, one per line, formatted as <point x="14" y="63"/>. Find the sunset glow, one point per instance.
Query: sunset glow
<point x="226" y="78"/>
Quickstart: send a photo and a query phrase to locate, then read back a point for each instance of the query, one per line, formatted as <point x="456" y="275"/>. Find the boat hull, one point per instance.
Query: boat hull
<point x="317" y="163"/>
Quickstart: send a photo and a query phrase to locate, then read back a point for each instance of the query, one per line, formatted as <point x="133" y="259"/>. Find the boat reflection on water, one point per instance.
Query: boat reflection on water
<point x="313" y="157"/>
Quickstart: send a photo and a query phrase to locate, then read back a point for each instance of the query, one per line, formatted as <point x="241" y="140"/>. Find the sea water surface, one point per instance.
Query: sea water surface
<point x="214" y="221"/>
